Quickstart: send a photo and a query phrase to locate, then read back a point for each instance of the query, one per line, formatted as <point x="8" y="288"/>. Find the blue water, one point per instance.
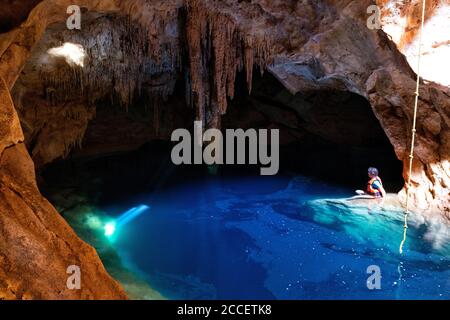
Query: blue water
<point x="255" y="238"/>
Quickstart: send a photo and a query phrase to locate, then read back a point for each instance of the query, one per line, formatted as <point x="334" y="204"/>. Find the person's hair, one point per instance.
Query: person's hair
<point x="373" y="171"/>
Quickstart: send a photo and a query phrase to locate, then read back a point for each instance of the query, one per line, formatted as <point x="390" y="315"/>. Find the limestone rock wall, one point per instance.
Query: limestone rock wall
<point x="401" y="21"/>
<point x="36" y="244"/>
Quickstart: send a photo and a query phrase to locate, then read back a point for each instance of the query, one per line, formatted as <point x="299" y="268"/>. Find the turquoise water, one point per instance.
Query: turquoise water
<point x="262" y="238"/>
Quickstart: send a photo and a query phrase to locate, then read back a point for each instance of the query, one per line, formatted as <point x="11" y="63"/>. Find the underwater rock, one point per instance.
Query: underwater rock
<point x="360" y="213"/>
<point x="389" y="206"/>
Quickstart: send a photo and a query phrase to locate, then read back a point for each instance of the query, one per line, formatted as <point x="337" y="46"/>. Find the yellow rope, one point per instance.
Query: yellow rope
<point x="413" y="131"/>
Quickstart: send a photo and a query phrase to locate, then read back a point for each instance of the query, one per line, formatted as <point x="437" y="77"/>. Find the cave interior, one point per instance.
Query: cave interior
<point x="102" y="118"/>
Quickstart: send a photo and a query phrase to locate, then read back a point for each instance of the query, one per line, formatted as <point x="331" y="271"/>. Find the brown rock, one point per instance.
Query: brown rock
<point x="34" y="236"/>
<point x="10" y="131"/>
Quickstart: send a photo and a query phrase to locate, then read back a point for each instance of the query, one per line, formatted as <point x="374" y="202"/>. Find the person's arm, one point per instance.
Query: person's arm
<point x="383" y="192"/>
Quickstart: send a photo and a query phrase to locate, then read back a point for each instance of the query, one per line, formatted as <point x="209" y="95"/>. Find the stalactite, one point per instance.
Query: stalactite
<point x="230" y="51"/>
<point x="248" y="53"/>
<point x="194" y="35"/>
<point x="120" y="60"/>
<point x="126" y="54"/>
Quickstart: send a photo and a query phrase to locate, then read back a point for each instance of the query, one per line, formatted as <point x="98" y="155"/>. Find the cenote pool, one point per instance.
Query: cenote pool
<point x="260" y="238"/>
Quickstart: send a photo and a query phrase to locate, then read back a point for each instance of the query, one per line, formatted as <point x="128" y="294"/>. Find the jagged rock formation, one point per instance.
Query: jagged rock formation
<point x="401" y="21"/>
<point x="61" y="92"/>
<point x="309" y="46"/>
<point x="33" y="236"/>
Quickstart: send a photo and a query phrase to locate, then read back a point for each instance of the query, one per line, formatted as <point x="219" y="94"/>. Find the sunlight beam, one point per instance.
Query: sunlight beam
<point x="74" y="54"/>
<point x="111" y="227"/>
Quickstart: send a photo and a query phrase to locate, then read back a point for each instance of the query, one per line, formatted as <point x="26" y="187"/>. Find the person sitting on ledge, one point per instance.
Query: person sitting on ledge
<point x="374" y="185"/>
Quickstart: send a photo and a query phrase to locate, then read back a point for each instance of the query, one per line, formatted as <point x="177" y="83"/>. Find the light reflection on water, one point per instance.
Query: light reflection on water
<point x="255" y="238"/>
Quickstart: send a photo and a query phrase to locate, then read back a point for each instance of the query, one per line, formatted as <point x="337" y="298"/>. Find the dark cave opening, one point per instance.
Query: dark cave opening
<point x="105" y="185"/>
<point x="331" y="136"/>
<point x="129" y="111"/>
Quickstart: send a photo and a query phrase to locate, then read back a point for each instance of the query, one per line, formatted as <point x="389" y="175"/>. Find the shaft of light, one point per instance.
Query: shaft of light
<point x="131" y="214"/>
<point x="124" y="218"/>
